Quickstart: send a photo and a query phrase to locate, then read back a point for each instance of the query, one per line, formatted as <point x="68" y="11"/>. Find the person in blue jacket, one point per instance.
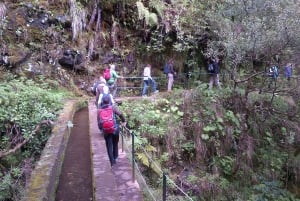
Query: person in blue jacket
<point x="288" y="71"/>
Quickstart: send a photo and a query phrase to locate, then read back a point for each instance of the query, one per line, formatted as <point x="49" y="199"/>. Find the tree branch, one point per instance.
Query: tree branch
<point x="18" y="146"/>
<point x="236" y="82"/>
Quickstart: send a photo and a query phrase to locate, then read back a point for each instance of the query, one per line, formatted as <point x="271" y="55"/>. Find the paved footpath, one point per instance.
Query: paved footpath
<point x="110" y="184"/>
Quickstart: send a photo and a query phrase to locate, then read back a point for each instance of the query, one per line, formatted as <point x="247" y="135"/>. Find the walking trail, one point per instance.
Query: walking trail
<point x="110" y="184"/>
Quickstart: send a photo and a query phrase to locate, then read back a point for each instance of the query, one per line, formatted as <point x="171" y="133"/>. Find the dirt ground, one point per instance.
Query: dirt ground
<point x="75" y="182"/>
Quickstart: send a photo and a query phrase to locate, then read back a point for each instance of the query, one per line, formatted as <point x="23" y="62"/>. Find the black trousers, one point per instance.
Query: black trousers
<point x="112" y="141"/>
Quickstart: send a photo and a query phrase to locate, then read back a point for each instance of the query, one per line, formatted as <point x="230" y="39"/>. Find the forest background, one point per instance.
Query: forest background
<point x="238" y="143"/>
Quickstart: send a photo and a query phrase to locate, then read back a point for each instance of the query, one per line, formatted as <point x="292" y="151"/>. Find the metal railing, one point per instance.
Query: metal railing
<point x="128" y="135"/>
<point x="182" y="80"/>
<point x="187" y="81"/>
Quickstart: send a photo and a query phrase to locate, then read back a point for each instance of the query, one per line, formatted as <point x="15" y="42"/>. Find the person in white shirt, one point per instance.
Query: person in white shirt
<point x="105" y="93"/>
<point x="148" y="80"/>
<point x="99" y="88"/>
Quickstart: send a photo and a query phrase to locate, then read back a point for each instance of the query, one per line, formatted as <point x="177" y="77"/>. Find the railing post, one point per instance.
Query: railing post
<point x="133" y="165"/>
<point x="123" y="133"/>
<point x="164" y="187"/>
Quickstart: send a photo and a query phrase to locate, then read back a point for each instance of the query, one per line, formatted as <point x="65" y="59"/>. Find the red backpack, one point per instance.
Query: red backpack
<point x="106" y="74"/>
<point x="106" y="120"/>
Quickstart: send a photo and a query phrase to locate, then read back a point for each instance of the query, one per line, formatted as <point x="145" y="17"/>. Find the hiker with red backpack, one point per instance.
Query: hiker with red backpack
<point x="109" y="126"/>
<point x="111" y="77"/>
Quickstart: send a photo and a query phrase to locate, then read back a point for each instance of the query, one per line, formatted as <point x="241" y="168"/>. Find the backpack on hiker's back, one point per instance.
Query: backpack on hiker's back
<point x="273" y="71"/>
<point x="102" y="97"/>
<point x="166" y="69"/>
<point x="106" y="74"/>
<point x="211" y="68"/>
<point x="106" y="120"/>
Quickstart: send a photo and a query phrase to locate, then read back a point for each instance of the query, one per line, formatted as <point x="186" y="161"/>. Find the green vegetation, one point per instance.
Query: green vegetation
<point x="239" y="143"/>
<point x="229" y="154"/>
<point x="28" y="109"/>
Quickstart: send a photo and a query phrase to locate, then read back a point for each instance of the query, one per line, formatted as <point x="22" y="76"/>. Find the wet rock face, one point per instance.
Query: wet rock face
<point x="13" y="58"/>
<point x="72" y="59"/>
<point x="42" y="18"/>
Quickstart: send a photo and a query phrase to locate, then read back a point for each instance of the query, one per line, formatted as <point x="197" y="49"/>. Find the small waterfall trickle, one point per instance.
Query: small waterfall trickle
<point x="78" y="19"/>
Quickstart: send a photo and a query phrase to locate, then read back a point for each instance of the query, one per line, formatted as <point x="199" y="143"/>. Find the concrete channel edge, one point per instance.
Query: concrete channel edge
<point x="45" y="176"/>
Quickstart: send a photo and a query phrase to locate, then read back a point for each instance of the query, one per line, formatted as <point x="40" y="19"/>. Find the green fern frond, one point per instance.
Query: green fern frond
<point x="159" y="7"/>
<point x="143" y="158"/>
<point x="156" y="169"/>
<point x="150" y="148"/>
<point x="146" y="15"/>
<point x="145" y="161"/>
<point x="153" y="20"/>
<point x="141" y="8"/>
<point x="143" y="12"/>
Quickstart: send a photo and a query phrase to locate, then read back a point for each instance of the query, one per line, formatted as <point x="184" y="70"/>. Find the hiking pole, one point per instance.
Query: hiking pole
<point x="133" y="168"/>
<point x="122" y="139"/>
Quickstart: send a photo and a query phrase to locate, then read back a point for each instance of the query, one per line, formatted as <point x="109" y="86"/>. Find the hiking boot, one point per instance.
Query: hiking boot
<point x="114" y="167"/>
<point x="113" y="163"/>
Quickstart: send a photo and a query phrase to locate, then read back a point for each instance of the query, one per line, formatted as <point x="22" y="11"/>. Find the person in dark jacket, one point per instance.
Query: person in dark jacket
<point x="112" y="139"/>
<point x="171" y="74"/>
<point x="214" y="75"/>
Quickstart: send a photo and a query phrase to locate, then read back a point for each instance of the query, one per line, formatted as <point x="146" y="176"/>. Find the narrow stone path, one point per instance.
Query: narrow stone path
<point x="110" y="184"/>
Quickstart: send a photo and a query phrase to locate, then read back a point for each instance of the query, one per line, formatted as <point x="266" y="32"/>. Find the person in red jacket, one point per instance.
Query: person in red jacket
<point x="111" y="136"/>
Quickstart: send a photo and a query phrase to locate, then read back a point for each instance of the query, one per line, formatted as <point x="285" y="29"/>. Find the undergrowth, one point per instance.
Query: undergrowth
<point x="222" y="145"/>
<point x="28" y="109"/>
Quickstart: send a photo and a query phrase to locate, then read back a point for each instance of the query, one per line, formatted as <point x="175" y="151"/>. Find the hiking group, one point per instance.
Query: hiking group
<point x="273" y="73"/>
<point x="108" y="114"/>
<point x="148" y="80"/>
<point x="213" y="68"/>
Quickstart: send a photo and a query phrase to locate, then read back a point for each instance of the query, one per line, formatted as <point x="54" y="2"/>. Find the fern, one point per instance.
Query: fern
<point x="159" y="7"/>
<point x="153" y="20"/>
<point x="146" y="16"/>
<point x="141" y="8"/>
<point x="150" y="18"/>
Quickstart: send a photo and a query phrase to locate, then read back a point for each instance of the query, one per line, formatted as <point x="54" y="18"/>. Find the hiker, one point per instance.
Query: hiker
<point x="111" y="82"/>
<point x="169" y="71"/>
<point x="214" y="70"/>
<point x="110" y="128"/>
<point x="148" y="80"/>
<point x="273" y="74"/>
<point x="105" y="92"/>
<point x="99" y="87"/>
<point x="288" y="71"/>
